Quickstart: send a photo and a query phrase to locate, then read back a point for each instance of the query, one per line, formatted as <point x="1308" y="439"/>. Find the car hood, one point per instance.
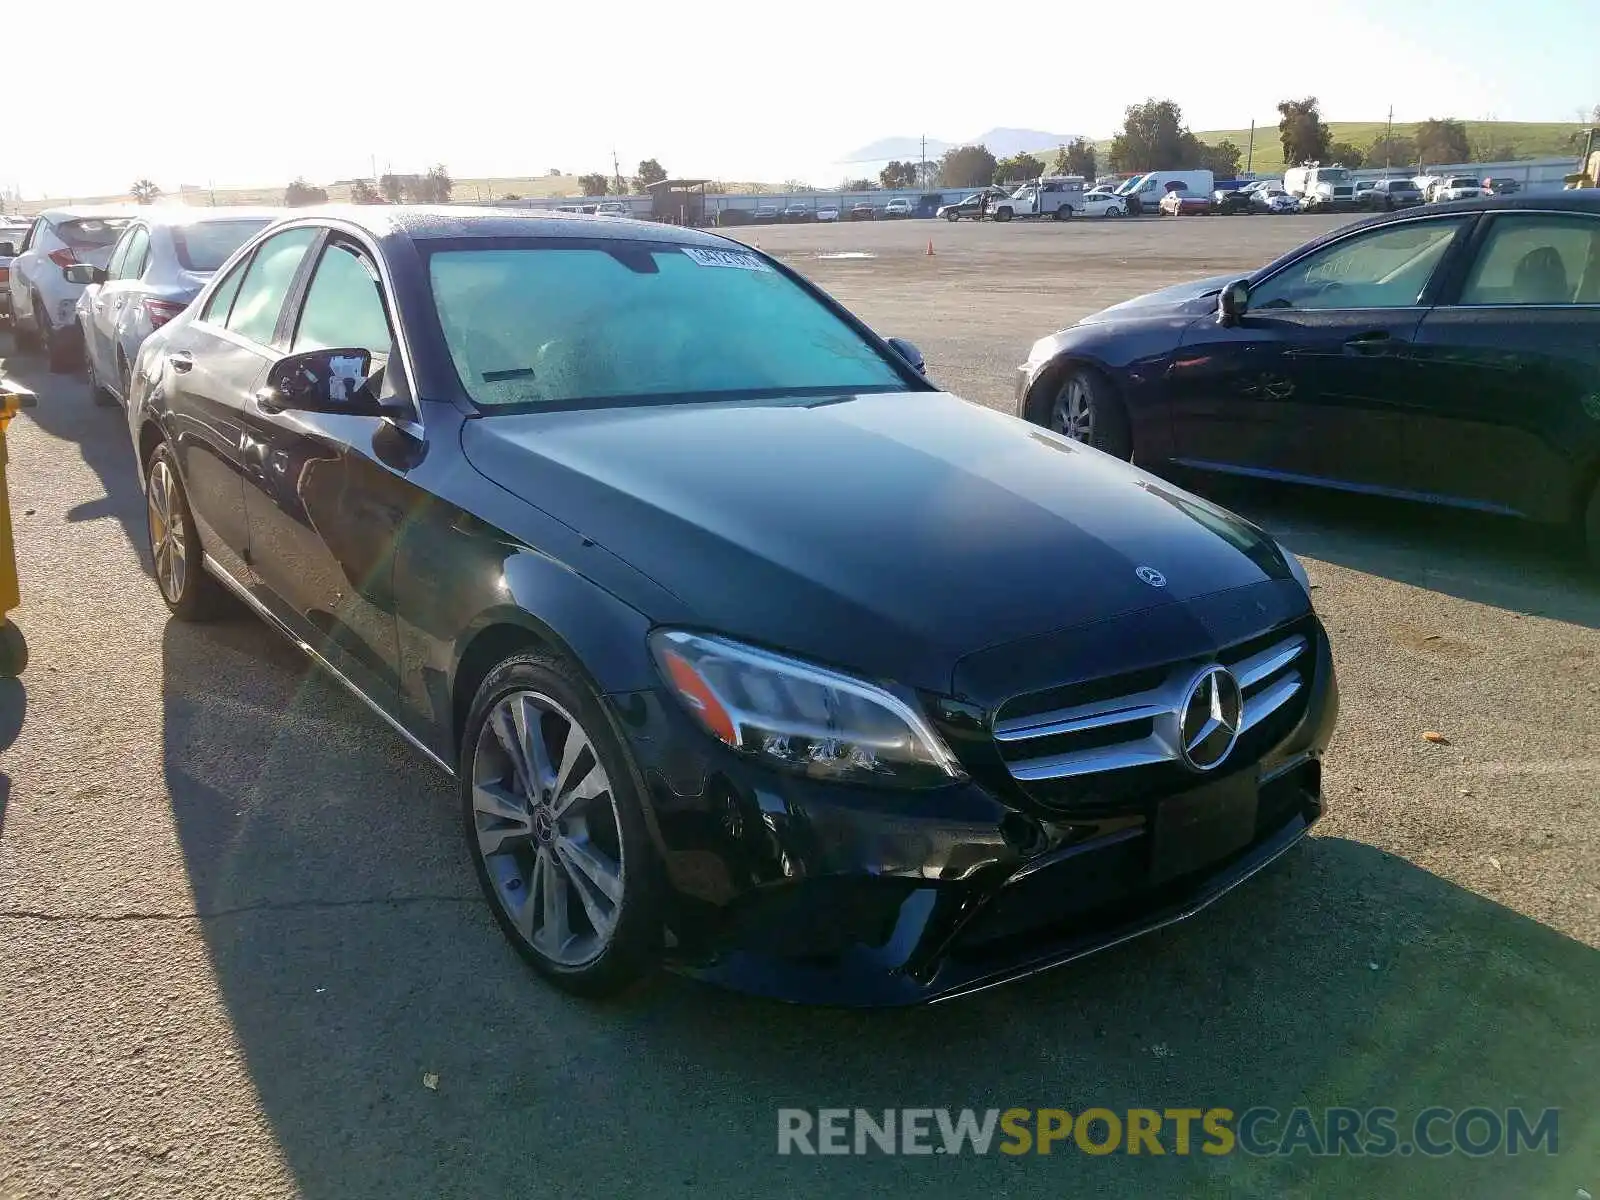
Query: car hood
<point x="888" y="534"/>
<point x="1195" y="297"/>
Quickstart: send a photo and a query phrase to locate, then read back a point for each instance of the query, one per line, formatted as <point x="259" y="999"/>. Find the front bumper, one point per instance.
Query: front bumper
<point x="817" y="893"/>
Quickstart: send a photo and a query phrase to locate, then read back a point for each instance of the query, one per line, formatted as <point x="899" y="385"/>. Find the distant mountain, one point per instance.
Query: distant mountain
<point x="1002" y="143"/>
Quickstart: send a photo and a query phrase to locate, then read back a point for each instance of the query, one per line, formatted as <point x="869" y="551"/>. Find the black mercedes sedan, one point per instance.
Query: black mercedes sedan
<point x="1449" y="355"/>
<point x="746" y="646"/>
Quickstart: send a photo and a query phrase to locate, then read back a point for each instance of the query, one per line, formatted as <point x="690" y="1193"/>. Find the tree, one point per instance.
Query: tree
<point x="1443" y="141"/>
<point x="1396" y="150"/>
<point x="859" y="185"/>
<point x="592" y="184"/>
<point x="435" y="187"/>
<point x="1346" y="154"/>
<point x="791" y="186"/>
<point x="392" y="187"/>
<point x="1305" y="138"/>
<point x="1018" y="167"/>
<point x="144" y="191"/>
<point x="553" y="172"/>
<point x="1153" y="137"/>
<point x="1222" y="160"/>
<point x="300" y="193"/>
<point x="362" y="192"/>
<point x="650" y="171"/>
<point x="510" y="196"/>
<point x="966" y="166"/>
<point x="1495" y="152"/>
<point x="898" y="175"/>
<point x="1077" y="157"/>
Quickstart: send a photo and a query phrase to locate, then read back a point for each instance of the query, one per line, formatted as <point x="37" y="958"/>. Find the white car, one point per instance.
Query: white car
<point x="613" y="208"/>
<point x="1271" y="197"/>
<point x="44" y="302"/>
<point x="828" y="213"/>
<point x="1458" y="187"/>
<point x="163" y="259"/>
<point x="1102" y="204"/>
<point x="900" y="206"/>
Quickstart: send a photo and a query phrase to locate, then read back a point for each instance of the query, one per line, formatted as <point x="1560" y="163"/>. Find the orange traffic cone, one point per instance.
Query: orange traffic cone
<point x="930" y="247"/>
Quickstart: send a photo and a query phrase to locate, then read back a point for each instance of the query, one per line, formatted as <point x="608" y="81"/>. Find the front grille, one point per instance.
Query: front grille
<point x="1100" y="727"/>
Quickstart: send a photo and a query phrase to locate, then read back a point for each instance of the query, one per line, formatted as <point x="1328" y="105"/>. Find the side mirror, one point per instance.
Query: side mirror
<point x="910" y="353"/>
<point x="84" y="273"/>
<point x="325" y="381"/>
<point x="1232" y="302"/>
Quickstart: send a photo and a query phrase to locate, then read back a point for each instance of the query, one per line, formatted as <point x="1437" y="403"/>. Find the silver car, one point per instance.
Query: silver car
<point x="159" y="264"/>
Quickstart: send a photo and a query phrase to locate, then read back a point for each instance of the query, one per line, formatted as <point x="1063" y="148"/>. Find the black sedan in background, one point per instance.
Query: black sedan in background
<point x="1386" y="195"/>
<point x="1448" y="354"/>
<point x="743" y="642"/>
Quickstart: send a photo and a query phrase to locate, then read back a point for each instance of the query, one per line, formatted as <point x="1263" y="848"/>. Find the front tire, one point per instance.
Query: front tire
<point x="1085" y="407"/>
<point x="952" y="217"/>
<point x="185" y="585"/>
<point x="556" y="828"/>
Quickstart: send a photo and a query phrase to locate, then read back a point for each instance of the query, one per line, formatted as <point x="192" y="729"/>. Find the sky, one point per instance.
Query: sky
<point x="196" y="93"/>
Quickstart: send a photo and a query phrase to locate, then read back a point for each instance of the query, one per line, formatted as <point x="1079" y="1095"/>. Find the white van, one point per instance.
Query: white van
<point x="1144" y="193"/>
<point x="1054" y="196"/>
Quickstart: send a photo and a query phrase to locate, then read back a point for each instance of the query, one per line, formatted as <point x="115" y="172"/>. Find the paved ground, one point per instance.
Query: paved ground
<point x="237" y="927"/>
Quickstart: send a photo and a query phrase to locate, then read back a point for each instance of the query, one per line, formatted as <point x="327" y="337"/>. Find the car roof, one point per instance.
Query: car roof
<point x="91" y="210"/>
<point x="175" y="215"/>
<point x="427" y="222"/>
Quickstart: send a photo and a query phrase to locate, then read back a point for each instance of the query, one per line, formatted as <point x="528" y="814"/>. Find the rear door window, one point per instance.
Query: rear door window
<point x="216" y="309"/>
<point x="1539" y="259"/>
<point x="266" y="284"/>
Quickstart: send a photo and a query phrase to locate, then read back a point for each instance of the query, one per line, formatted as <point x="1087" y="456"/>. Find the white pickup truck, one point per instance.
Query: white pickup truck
<point x="1054" y="196"/>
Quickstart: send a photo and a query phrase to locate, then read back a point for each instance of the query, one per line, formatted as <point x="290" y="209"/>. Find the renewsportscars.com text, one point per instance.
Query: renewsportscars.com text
<point x="1374" y="1132"/>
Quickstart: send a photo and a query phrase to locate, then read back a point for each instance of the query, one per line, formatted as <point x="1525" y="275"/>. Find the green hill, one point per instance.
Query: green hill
<point x="1530" y="139"/>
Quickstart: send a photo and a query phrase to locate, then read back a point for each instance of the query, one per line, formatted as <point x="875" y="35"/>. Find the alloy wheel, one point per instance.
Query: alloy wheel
<point x="1073" y="414"/>
<point x="167" y="533"/>
<point x="547" y="828"/>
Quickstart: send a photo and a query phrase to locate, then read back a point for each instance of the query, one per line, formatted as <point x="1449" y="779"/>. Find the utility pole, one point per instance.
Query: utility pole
<point x="1388" y="140"/>
<point x="616" y="169"/>
<point x="1250" y="153"/>
<point x="922" y="164"/>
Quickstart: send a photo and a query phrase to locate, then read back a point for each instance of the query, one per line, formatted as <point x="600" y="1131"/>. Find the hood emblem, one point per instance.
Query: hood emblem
<point x="1151" y="576"/>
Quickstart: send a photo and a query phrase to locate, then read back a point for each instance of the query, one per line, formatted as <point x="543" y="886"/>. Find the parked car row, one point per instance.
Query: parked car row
<point x="88" y="285"/>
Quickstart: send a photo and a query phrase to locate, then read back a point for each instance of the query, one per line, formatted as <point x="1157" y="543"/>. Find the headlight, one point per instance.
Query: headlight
<point x="801" y="717"/>
<point x="1296" y="568"/>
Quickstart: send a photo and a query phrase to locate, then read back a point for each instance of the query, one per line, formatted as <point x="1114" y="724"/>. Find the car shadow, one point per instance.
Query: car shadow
<point x="356" y="960"/>
<point x="67" y="411"/>
<point x="1499" y="561"/>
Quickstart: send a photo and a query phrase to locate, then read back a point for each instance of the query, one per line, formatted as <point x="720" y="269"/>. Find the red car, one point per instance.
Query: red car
<point x="1181" y="203"/>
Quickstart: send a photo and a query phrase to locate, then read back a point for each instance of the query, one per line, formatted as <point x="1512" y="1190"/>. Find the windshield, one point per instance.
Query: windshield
<point x="541" y="325"/>
<point x="1131" y="186"/>
<point x="1332" y="175"/>
<point x="205" y="246"/>
<point x="1462" y="181"/>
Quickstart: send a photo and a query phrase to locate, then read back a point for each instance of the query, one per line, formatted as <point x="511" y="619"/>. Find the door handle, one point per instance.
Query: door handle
<point x="1379" y="341"/>
<point x="181" y="360"/>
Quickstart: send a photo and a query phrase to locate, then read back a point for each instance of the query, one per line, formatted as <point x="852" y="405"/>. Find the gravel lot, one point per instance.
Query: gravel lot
<point x="237" y="926"/>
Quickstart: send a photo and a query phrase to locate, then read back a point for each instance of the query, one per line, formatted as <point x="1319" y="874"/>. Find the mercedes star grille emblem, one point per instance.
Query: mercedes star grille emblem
<point x="1151" y="576"/>
<point x="1209" y="722"/>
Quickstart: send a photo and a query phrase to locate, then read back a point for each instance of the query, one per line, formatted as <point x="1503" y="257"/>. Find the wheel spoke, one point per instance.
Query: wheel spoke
<point x="597" y="885"/>
<point x="526" y="918"/>
<point x="594" y="783"/>
<point x="515" y="821"/>
<point x="587" y="864"/>
<point x="571" y="752"/>
<point x="508" y="724"/>
<point x="555" y="930"/>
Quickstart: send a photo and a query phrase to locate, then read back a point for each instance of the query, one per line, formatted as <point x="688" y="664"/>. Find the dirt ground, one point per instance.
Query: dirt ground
<point x="237" y="926"/>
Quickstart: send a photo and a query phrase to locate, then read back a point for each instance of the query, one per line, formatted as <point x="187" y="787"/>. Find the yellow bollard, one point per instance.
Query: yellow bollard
<point x="13" y="647"/>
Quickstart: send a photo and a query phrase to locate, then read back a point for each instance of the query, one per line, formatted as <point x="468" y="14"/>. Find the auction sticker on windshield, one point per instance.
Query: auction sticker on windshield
<point x="724" y="258"/>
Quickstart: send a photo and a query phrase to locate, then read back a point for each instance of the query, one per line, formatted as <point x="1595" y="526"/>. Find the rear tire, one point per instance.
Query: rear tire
<point x="185" y="585"/>
<point x="60" y="351"/>
<point x="1003" y="214"/>
<point x="1064" y="213"/>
